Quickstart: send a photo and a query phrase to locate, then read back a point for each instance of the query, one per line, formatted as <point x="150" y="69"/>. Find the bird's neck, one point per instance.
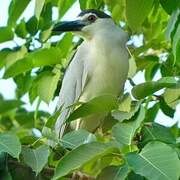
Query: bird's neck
<point x="109" y="38"/>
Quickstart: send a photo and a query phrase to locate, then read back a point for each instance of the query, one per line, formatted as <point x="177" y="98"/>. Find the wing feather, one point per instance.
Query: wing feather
<point x="73" y="84"/>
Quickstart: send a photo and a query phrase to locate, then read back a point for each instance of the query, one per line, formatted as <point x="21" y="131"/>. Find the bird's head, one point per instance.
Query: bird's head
<point x="87" y="24"/>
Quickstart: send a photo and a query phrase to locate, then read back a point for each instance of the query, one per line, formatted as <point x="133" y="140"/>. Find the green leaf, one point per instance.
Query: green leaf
<point x="8" y="105"/>
<point x="156" y="161"/>
<point x="124" y="115"/>
<point x="157" y="132"/>
<point x="137" y="11"/>
<point x="24" y="118"/>
<point x="14" y="56"/>
<point x="114" y="173"/>
<point x="124" y="132"/>
<point x="172" y="97"/>
<point x="16" y="8"/>
<point x="46" y="20"/>
<point x="36" y="158"/>
<point x="116" y="15"/>
<point x="38" y="8"/>
<point x="169" y="6"/>
<point x="132" y="67"/>
<point x="32" y="25"/>
<point x="145" y="62"/>
<point x="6" y="34"/>
<point x="21" y="29"/>
<point x="167" y="110"/>
<point x="3" y="54"/>
<point x="23" y="83"/>
<point x="125" y="103"/>
<point x="42" y="57"/>
<point x="44" y="35"/>
<point x="82" y="4"/>
<point x="142" y="90"/>
<point x="76" y="138"/>
<point x="151" y="113"/>
<point x="176" y="45"/>
<point x="151" y="70"/>
<point x="64" y="5"/>
<point x="47" y="78"/>
<point x="65" y="44"/>
<point x="2" y="161"/>
<point x="133" y="176"/>
<point x="52" y="119"/>
<point x="10" y="144"/>
<point x="171" y="24"/>
<point x="79" y="156"/>
<point x="93" y="4"/>
<point x="100" y="104"/>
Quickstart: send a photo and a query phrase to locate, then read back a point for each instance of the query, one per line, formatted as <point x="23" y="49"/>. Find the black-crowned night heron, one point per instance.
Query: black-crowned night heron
<point x="100" y="66"/>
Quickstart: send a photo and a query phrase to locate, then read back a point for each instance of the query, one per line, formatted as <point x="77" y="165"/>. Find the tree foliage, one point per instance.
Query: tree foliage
<point x="130" y="145"/>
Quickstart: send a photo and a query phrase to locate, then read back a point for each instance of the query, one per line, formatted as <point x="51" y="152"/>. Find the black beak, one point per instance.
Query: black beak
<point x="67" y="26"/>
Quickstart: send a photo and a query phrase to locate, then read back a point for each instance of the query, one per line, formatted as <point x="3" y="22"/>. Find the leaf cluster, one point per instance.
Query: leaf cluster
<point x="129" y="145"/>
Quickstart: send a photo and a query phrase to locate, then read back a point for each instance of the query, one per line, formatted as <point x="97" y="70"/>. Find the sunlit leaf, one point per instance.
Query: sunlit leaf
<point x="116" y="15"/>
<point x="14" y="56"/>
<point x="45" y="21"/>
<point x="172" y="97"/>
<point x="38" y="7"/>
<point x="125" y="103"/>
<point x="16" y="8"/>
<point x="42" y="57"/>
<point x="44" y="35"/>
<point x="65" y="44"/>
<point x="93" y="4"/>
<point x="137" y="11"/>
<point x="132" y="67"/>
<point x="6" y="34"/>
<point x="124" y="115"/>
<point x="64" y="6"/>
<point x="82" y="4"/>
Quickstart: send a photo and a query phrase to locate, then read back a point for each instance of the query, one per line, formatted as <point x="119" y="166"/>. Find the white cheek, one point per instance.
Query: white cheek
<point x="86" y="28"/>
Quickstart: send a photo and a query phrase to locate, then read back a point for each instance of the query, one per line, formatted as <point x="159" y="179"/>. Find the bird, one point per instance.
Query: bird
<point x="99" y="66"/>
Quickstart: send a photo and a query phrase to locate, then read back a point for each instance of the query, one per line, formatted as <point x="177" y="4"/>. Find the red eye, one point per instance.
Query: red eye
<point x="91" y="18"/>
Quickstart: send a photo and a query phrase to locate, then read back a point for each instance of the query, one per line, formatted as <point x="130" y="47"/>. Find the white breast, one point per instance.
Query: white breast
<point x="108" y="67"/>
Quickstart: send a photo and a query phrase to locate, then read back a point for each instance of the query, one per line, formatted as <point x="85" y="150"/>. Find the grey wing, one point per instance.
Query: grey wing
<point x="72" y="86"/>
